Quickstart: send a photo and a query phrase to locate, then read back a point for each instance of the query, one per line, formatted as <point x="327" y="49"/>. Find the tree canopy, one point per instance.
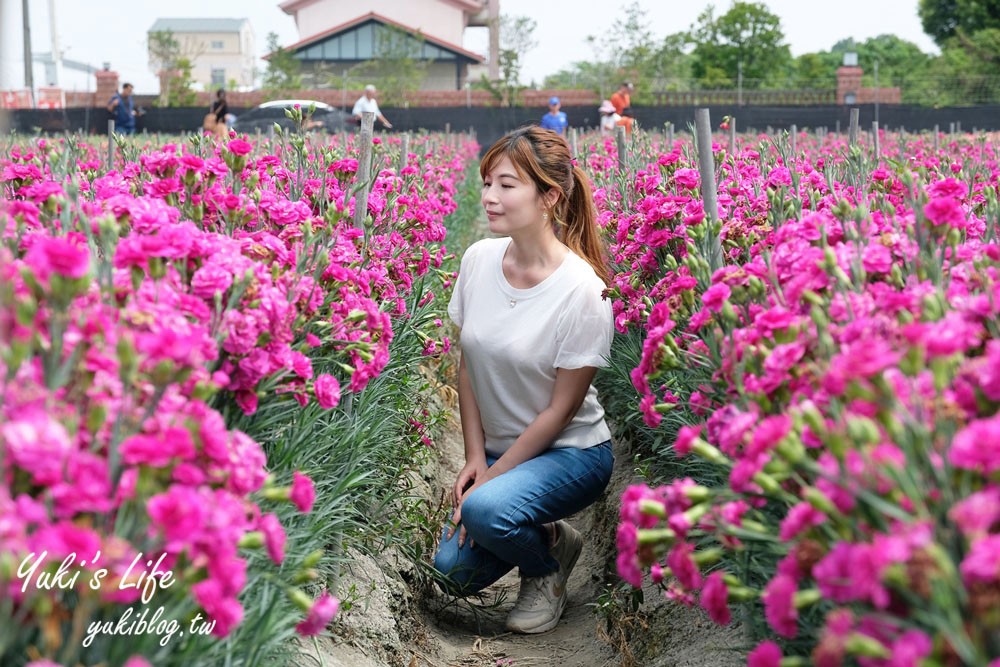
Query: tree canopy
<point x="747" y="36"/>
<point x="944" y="20"/>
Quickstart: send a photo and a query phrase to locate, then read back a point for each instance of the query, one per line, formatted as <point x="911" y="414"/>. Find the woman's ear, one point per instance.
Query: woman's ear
<point x="550" y="198"/>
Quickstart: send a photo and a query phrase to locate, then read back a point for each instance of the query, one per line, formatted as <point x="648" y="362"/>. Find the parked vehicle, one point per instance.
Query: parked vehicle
<point x="264" y="116"/>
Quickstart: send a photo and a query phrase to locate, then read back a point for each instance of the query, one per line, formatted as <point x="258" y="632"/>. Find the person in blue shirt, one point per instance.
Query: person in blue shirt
<point x="555" y="120"/>
<point x="121" y="106"/>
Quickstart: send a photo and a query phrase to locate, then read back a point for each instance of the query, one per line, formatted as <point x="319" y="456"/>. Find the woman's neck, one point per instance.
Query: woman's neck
<point x="535" y="250"/>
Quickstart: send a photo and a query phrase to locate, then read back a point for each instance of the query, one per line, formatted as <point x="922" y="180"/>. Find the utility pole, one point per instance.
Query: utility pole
<point x="876" y="90"/>
<point x="29" y="79"/>
<point x="739" y="83"/>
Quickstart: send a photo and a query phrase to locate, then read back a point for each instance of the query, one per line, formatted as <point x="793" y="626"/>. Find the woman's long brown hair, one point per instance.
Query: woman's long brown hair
<point x="544" y="157"/>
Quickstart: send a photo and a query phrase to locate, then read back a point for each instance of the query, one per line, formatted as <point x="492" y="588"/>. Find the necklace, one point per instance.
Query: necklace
<point x="513" y="302"/>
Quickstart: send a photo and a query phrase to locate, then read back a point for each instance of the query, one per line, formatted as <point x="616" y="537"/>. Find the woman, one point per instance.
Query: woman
<point x="535" y="327"/>
<point x="609" y="118"/>
<point x="220" y="109"/>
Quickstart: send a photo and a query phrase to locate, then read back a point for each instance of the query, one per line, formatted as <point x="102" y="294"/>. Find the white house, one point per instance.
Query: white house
<point x="221" y="50"/>
<point x="337" y="34"/>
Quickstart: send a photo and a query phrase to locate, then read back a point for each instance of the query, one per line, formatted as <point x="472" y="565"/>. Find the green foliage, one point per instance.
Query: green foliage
<point x="517" y="37"/>
<point x="167" y="56"/>
<point x="945" y="20"/>
<point x="629" y="50"/>
<point x="749" y="35"/>
<point x="284" y="70"/>
<point x="397" y="68"/>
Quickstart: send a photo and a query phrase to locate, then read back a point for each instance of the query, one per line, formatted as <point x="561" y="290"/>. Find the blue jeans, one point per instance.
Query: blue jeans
<point x="505" y="517"/>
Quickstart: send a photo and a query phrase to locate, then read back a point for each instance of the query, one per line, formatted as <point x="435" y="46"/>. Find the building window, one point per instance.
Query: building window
<point x="218" y="77"/>
<point x="218" y="44"/>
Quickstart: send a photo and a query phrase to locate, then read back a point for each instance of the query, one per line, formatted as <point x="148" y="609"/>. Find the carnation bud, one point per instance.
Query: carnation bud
<point x="807" y="598"/>
<point x="252" y="540"/>
<point x="312" y="558"/>
<point x="818" y="499"/>
<point x="300" y="599"/>
<point x="863" y="430"/>
<point x="863" y="645"/>
<point x="647" y="536"/>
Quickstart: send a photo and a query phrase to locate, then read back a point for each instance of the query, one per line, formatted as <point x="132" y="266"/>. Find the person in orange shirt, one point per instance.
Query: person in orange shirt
<point x="626" y="120"/>
<point x="622" y="99"/>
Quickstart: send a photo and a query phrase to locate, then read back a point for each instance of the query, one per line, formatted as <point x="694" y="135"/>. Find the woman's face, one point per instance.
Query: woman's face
<point x="511" y="204"/>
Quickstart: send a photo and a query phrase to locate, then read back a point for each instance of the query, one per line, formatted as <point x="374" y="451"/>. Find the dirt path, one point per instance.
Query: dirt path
<point x="394" y="629"/>
<point x="472" y="635"/>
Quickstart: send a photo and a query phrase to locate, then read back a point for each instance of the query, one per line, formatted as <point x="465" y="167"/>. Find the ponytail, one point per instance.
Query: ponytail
<point x="579" y="230"/>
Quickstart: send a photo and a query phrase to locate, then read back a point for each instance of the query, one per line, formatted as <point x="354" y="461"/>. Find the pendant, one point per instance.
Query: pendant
<point x="513" y="303"/>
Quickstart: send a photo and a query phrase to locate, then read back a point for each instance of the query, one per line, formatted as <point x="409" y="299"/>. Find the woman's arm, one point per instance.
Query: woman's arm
<point x="472" y="421"/>
<point x="567" y="396"/>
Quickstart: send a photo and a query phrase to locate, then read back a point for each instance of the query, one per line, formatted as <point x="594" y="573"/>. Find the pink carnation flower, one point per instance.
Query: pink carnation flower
<point x="303" y="493"/>
<point x="779" y="605"/>
<point x="327" y="391"/>
<point x="323" y="610"/>
<point x="239" y="147"/>
<point x="767" y="654"/>
<point x="977" y="446"/>
<point x="715" y="598"/>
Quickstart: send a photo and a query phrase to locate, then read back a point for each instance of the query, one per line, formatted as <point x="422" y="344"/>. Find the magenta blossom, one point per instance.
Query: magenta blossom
<point x="303" y="493"/>
<point x="322" y="611"/>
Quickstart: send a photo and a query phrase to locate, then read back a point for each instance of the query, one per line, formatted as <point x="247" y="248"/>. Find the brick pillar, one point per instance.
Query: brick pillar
<point x="848" y="81"/>
<point x="107" y="86"/>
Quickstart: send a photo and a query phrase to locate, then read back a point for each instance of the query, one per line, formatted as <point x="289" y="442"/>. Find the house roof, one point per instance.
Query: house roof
<point x="198" y="25"/>
<point x="372" y="16"/>
<point x="472" y="6"/>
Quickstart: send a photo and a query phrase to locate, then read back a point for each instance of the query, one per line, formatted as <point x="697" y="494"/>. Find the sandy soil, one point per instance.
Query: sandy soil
<point x="395" y="628"/>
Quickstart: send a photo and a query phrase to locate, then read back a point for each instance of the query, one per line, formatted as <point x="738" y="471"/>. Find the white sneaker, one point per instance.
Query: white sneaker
<point x="541" y="600"/>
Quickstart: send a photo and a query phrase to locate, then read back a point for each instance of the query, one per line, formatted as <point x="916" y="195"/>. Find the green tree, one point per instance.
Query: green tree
<point x="944" y="20"/>
<point x="517" y="37"/>
<point x="815" y="71"/>
<point x="284" y="70"/>
<point x="173" y="64"/>
<point x="628" y="50"/>
<point x="748" y="35"/>
<point x="397" y="68"/>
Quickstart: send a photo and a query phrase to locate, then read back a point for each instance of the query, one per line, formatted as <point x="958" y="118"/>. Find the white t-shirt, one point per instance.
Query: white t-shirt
<point x="364" y="104"/>
<point x="513" y="340"/>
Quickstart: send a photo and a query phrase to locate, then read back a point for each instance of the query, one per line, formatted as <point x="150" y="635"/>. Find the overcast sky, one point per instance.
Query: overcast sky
<point x="116" y="32"/>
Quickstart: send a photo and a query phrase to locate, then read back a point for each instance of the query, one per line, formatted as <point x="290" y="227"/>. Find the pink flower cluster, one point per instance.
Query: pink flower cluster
<point x="847" y="356"/>
<point x="133" y="301"/>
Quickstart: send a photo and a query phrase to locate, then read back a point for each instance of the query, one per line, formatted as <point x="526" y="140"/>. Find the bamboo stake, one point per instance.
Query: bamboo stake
<point x="364" y="169"/>
<point x="706" y="165"/>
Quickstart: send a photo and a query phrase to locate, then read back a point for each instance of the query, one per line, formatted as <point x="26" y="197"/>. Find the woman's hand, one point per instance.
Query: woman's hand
<point x="472" y="476"/>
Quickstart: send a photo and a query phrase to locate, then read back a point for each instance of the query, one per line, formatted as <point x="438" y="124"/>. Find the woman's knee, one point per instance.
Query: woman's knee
<point x="455" y="576"/>
<point x="480" y="512"/>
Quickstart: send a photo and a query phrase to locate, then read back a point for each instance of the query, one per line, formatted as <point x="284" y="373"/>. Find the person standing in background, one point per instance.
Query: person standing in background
<point x="220" y="109"/>
<point x="124" y="112"/>
<point x="555" y="119"/>
<point x="609" y="118"/>
<point x="622" y="99"/>
<point x="367" y="103"/>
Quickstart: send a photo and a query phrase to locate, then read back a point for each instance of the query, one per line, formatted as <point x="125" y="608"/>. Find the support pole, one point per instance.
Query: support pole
<point x="706" y="165"/>
<point x="364" y="168"/>
<point x="852" y="133"/>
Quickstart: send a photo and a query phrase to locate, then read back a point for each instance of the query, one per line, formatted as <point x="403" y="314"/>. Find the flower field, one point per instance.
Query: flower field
<point x="209" y="377"/>
<point x="825" y="397"/>
<point x="212" y="380"/>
